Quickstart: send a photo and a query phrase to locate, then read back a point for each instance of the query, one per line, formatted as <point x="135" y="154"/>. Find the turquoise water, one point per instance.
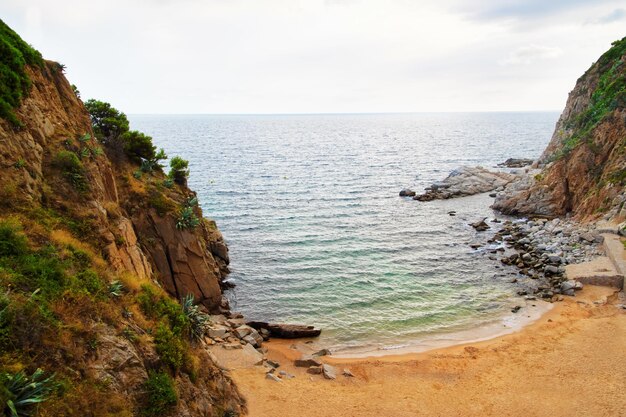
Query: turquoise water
<point x="309" y="207"/>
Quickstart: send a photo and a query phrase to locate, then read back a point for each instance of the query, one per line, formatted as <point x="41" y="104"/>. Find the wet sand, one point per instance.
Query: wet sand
<point x="570" y="362"/>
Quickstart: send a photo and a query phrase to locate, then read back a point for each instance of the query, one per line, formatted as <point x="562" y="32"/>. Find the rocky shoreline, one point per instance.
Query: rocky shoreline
<point x="539" y="250"/>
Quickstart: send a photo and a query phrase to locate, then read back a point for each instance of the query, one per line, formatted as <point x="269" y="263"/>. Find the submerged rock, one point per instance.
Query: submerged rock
<point x="480" y="226"/>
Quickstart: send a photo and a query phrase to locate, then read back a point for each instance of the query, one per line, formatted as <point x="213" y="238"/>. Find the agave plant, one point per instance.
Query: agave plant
<point x="192" y="201"/>
<point x="187" y="219"/>
<point x="97" y="151"/>
<point x="25" y="391"/>
<point x="197" y="319"/>
<point x="116" y="288"/>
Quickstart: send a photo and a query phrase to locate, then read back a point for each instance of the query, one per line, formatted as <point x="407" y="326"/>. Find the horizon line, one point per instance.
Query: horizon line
<point x="342" y="113"/>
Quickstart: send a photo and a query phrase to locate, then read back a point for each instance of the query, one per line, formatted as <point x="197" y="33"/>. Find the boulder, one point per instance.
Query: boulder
<point x="307" y="361"/>
<point x="243" y="331"/>
<point x="480" y="226"/>
<point x="407" y="193"/>
<point x="286" y="331"/>
<point x="323" y="352"/>
<point x="245" y="357"/>
<point x="329" y="372"/>
<point x="315" y="370"/>
<point x="516" y="163"/>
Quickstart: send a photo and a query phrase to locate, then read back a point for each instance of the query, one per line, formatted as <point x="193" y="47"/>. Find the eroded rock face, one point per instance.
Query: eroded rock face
<point x="466" y="181"/>
<point x="583" y="168"/>
<point x="182" y="258"/>
<point x="185" y="262"/>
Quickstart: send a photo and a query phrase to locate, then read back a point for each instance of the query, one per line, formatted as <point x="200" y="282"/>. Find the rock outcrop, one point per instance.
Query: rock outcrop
<point x="583" y="168"/>
<point x="116" y="208"/>
<point x="466" y="181"/>
<point x="100" y="239"/>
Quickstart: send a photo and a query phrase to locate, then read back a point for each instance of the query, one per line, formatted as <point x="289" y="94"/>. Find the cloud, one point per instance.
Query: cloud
<point x="522" y="9"/>
<point x="615" y="16"/>
<point x="526" y="55"/>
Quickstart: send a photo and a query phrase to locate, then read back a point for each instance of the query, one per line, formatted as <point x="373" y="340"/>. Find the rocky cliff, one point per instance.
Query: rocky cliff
<point x="583" y="168"/>
<point x="87" y="247"/>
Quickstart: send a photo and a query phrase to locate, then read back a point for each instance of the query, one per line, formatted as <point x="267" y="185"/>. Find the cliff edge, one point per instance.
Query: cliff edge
<point x="97" y="247"/>
<point x="583" y="169"/>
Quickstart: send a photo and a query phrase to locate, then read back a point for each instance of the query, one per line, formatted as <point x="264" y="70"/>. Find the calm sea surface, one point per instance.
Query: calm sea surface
<point x="317" y="234"/>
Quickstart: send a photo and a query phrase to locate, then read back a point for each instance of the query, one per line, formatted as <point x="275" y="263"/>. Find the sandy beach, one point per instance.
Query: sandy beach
<point x="570" y="362"/>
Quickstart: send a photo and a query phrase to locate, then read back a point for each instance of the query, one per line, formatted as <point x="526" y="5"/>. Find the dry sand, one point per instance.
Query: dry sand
<point x="571" y="362"/>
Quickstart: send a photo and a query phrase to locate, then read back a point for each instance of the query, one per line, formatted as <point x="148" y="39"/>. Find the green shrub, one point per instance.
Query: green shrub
<point x="89" y="282"/>
<point x="23" y="392"/>
<point x="160" y="202"/>
<point x="72" y="169"/>
<point x="179" y="170"/>
<point x="157" y="306"/>
<point x="138" y="146"/>
<point x="160" y="392"/>
<point x="170" y="347"/>
<point x="12" y="241"/>
<point x="168" y="182"/>
<point x="108" y="123"/>
<point x="14" y="82"/>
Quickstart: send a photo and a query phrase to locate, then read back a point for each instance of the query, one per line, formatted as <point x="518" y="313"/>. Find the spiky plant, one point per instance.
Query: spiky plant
<point x="25" y="391"/>
<point x="197" y="319"/>
<point x="116" y="288"/>
<point x="187" y="219"/>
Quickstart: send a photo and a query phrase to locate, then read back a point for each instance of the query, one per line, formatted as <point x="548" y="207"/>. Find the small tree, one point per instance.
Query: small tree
<point x="108" y="122"/>
<point x="138" y="146"/>
<point x="179" y="171"/>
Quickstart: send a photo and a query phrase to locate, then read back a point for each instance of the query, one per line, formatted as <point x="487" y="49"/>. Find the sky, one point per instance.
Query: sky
<point x="321" y="56"/>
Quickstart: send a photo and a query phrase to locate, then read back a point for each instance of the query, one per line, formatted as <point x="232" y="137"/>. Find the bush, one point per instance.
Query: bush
<point x="72" y="169"/>
<point x="160" y="202"/>
<point x="161" y="393"/>
<point x="138" y="146"/>
<point x="12" y="241"/>
<point x="170" y="347"/>
<point x="157" y="306"/>
<point x="179" y="171"/>
<point x="108" y="123"/>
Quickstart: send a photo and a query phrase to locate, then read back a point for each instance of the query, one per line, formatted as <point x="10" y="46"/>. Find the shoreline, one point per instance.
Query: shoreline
<point x="520" y="373"/>
<point x="500" y="326"/>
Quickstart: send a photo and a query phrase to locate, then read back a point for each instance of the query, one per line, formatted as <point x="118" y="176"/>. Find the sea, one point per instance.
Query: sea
<point x="318" y="235"/>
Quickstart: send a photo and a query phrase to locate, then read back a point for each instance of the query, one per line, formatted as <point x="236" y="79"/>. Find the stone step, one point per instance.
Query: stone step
<point x="599" y="271"/>
<point x="614" y="249"/>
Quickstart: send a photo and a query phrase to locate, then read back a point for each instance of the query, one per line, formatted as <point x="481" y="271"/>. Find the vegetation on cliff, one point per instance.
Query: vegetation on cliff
<point x="88" y="324"/>
<point x="14" y="81"/>
<point x="584" y="165"/>
<point x="608" y="95"/>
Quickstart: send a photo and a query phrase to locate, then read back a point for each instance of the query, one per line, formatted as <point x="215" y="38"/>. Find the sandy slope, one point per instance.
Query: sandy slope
<point x="572" y="362"/>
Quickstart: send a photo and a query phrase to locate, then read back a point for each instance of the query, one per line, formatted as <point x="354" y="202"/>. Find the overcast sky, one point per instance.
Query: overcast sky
<point x="312" y="56"/>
